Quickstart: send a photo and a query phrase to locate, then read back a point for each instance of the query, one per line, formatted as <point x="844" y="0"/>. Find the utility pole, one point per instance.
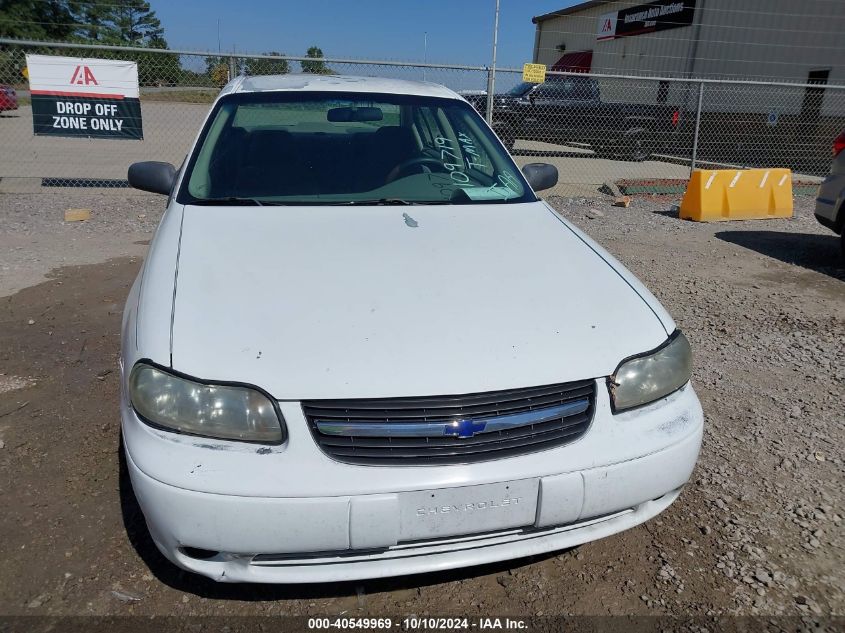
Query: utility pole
<point x="491" y="72"/>
<point x="425" y="51"/>
<point x="233" y="68"/>
<point x="218" y="37"/>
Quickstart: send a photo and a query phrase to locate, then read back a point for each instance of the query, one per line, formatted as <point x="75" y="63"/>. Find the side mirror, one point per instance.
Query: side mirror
<point x="540" y="175"/>
<point x="152" y="176"/>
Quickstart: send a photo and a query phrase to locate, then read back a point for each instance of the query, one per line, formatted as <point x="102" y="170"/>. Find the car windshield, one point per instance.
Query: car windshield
<point x="295" y="148"/>
<point x="520" y="89"/>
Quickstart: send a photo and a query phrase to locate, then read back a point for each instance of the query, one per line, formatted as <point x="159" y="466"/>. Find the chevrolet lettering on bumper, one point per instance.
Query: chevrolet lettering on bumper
<point x="468" y="507"/>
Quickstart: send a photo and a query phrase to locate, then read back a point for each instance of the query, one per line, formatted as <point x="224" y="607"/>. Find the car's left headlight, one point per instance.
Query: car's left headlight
<point x="653" y="375"/>
<point x="230" y="412"/>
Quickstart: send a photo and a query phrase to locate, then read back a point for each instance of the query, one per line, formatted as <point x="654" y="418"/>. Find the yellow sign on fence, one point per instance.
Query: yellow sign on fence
<point x="534" y="73"/>
<point x="744" y="194"/>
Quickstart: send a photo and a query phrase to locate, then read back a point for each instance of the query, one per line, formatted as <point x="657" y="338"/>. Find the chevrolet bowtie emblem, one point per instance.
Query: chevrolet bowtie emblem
<point x="465" y="428"/>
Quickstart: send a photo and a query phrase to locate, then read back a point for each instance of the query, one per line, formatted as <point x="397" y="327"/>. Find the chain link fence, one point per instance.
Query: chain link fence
<point x="638" y="133"/>
<point x="649" y="133"/>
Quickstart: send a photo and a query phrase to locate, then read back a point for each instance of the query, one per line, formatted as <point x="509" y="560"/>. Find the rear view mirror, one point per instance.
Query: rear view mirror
<point x="354" y="115"/>
<point x="152" y="176"/>
<point x="540" y="175"/>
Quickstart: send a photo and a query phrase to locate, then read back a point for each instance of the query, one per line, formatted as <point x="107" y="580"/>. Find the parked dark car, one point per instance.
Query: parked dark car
<point x="8" y="98"/>
<point x="570" y="110"/>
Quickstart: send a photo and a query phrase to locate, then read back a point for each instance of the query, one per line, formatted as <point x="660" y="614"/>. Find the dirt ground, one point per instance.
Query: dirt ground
<point x="758" y="530"/>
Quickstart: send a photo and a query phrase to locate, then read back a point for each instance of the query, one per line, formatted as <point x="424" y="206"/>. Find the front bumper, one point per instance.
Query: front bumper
<point x="318" y="520"/>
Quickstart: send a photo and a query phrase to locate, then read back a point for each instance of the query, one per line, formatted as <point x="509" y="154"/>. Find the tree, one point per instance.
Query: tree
<point x="114" y="22"/>
<point x="217" y="69"/>
<point x="39" y="19"/>
<point x="268" y="66"/>
<point x="51" y="20"/>
<point x="93" y="24"/>
<point x="318" y="66"/>
<point x="154" y="69"/>
<point x="129" y="23"/>
<point x="138" y="25"/>
<point x="121" y="22"/>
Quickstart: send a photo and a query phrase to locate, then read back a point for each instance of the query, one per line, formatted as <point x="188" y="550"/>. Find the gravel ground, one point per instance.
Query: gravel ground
<point x="757" y="531"/>
<point x="35" y="239"/>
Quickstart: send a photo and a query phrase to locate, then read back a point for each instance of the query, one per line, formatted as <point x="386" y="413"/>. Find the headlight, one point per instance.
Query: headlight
<point x="219" y="411"/>
<point x="653" y="375"/>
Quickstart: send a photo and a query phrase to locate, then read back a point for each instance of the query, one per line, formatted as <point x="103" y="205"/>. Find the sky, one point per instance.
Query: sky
<point x="459" y="31"/>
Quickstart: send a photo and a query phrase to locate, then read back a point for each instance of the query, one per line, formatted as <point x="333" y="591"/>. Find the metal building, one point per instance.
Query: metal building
<point x="770" y="40"/>
<point x="774" y="39"/>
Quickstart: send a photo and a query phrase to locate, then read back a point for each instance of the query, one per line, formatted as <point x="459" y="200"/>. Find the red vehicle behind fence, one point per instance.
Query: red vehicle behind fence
<point x="8" y="98"/>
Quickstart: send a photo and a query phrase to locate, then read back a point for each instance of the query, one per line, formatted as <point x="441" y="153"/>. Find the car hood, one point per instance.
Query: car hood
<point x="340" y="302"/>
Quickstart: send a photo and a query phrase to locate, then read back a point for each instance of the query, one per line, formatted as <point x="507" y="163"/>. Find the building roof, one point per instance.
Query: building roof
<point x="567" y="11"/>
<point x="336" y="83"/>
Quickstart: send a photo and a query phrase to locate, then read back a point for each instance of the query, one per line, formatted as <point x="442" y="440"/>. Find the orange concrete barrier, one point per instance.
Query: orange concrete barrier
<point x="737" y="194"/>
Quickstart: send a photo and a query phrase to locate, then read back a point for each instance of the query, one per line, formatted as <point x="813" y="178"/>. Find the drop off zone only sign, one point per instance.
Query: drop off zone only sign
<point x="73" y="96"/>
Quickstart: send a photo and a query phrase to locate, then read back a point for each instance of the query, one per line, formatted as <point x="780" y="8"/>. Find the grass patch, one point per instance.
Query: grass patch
<point x="180" y="96"/>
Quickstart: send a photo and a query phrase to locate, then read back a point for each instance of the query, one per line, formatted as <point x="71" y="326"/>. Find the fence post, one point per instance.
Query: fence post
<point x="697" y="127"/>
<point x="233" y="69"/>
<point x="491" y="72"/>
<point x="491" y="86"/>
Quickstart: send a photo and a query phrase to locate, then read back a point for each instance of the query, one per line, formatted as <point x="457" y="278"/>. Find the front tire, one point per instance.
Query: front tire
<point x="635" y="148"/>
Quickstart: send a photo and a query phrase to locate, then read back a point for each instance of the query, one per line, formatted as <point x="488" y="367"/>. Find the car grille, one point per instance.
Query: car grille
<point x="452" y="429"/>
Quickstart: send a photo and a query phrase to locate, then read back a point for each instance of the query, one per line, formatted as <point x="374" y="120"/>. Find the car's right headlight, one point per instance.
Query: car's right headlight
<point x="229" y="412"/>
<point x="653" y="375"/>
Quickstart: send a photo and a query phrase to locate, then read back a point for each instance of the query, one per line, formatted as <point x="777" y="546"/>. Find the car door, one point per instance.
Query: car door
<point x="565" y="108"/>
<point x="583" y="119"/>
<point x="547" y="111"/>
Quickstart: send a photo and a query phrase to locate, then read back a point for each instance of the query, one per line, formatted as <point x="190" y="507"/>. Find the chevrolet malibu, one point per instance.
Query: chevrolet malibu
<point x="361" y="346"/>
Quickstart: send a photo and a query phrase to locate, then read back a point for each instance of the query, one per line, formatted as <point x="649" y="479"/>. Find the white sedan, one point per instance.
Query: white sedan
<point x="361" y="346"/>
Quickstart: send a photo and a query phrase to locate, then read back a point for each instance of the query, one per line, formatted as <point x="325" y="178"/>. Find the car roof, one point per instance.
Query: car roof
<point x="336" y="83"/>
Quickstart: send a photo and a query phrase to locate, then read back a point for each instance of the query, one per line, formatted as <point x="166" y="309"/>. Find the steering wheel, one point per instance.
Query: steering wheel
<point x="411" y="162"/>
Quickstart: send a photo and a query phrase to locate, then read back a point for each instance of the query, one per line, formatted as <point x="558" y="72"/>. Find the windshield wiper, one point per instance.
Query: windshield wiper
<point x="229" y="201"/>
<point x="388" y="202"/>
<point x="378" y="202"/>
